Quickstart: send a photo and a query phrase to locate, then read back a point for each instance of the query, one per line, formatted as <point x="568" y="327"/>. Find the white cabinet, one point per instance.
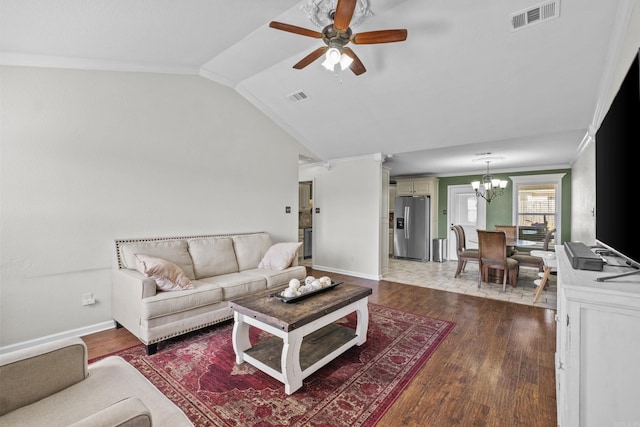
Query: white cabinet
<point x="422" y="187"/>
<point x="392" y="196"/>
<point x="598" y="347"/>
<point x="304" y="196"/>
<point x="416" y="186"/>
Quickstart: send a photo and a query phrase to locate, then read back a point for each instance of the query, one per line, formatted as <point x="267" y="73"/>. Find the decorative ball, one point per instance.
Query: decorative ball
<point x="294" y="284"/>
<point x="309" y="280"/>
<point x="316" y="285"/>
<point x="325" y="281"/>
<point x="289" y="293"/>
<point x="305" y="289"/>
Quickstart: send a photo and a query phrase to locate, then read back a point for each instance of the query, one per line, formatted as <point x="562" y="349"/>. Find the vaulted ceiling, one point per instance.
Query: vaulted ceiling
<point x="464" y="82"/>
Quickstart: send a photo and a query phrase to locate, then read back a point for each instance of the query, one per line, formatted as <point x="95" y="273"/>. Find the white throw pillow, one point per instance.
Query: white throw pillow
<point x="280" y="255"/>
<point x="168" y="276"/>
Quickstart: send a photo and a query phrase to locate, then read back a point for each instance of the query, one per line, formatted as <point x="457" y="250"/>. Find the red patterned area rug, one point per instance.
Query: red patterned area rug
<point x="198" y="372"/>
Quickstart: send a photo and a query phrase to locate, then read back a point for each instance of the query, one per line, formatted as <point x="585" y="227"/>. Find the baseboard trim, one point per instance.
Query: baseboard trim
<point x="346" y="272"/>
<point x="66" y="334"/>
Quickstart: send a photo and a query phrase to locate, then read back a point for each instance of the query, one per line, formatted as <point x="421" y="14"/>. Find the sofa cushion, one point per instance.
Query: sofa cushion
<point x="129" y="412"/>
<point x="166" y="303"/>
<point x="236" y="285"/>
<point x="168" y="276"/>
<point x="277" y="278"/>
<point x="250" y="248"/>
<point x="212" y="256"/>
<point x="280" y="255"/>
<point x="175" y="251"/>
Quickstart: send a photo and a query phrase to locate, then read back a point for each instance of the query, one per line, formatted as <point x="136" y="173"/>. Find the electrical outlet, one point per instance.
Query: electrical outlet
<point x="87" y="299"/>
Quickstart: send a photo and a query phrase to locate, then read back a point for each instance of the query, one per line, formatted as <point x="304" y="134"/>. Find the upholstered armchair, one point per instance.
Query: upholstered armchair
<point x="52" y="384"/>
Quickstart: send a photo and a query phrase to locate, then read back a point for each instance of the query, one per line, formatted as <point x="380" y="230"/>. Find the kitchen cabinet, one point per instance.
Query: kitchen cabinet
<point x="416" y="186"/>
<point x="597" y="346"/>
<point x="392" y="196"/>
<point x="422" y="187"/>
<point x="304" y="196"/>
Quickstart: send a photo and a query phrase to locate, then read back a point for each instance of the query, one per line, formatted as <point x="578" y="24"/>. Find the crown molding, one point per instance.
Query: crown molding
<point x="66" y="62"/>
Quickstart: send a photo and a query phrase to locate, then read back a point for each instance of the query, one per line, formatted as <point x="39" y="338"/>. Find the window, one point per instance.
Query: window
<point x="472" y="210"/>
<point x="536" y="205"/>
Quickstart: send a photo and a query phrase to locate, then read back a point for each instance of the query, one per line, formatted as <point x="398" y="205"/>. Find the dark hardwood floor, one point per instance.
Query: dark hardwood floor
<point x="496" y="368"/>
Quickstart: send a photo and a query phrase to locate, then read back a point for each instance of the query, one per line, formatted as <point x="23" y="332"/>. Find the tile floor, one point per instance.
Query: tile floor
<point x="439" y="275"/>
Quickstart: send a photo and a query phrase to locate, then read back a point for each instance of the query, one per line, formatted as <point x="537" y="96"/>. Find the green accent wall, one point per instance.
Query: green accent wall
<point x="499" y="211"/>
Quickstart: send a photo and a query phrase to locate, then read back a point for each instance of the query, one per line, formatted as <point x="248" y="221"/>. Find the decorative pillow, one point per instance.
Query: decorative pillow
<point x="168" y="276"/>
<point x="280" y="255"/>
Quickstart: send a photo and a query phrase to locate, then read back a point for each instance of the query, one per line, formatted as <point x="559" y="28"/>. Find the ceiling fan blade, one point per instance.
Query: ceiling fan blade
<point x="295" y="29"/>
<point x="310" y="58"/>
<point x="382" y="36"/>
<point x="343" y="15"/>
<point x="356" y="66"/>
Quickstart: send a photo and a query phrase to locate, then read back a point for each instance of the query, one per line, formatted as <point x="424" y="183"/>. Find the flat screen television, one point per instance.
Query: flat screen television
<point x="617" y="169"/>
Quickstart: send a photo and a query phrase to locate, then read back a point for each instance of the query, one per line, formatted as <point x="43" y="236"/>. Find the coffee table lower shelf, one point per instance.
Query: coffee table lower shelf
<point x="315" y="348"/>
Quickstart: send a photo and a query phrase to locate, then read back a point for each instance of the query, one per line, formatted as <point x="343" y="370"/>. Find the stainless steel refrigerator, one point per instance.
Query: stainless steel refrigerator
<point x="411" y="232"/>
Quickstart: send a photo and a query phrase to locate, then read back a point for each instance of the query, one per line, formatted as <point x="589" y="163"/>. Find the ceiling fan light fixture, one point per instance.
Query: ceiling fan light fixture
<point x="337" y="34"/>
<point x="332" y="57"/>
<point x="345" y="61"/>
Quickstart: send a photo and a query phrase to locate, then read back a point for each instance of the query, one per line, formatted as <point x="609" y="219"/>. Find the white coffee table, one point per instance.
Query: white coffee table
<point x="305" y="337"/>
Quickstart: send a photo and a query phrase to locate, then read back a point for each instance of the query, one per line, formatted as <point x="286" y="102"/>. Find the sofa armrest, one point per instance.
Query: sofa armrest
<point x="128" y="289"/>
<point x="133" y="283"/>
<point x="34" y="373"/>
<point x="130" y="412"/>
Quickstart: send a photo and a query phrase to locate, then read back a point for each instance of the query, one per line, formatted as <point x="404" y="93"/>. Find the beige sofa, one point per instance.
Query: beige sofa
<point x="53" y="385"/>
<point x="220" y="268"/>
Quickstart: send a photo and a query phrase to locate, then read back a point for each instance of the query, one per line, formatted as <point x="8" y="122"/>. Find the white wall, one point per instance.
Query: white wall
<point x="583" y="170"/>
<point x="583" y="197"/>
<point x="88" y="157"/>
<point x="346" y="234"/>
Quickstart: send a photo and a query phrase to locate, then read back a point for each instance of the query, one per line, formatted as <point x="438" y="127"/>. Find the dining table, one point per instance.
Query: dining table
<point x="510" y="242"/>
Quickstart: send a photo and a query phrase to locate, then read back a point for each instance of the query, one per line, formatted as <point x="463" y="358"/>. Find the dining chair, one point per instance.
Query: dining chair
<point x="512" y="235"/>
<point x="492" y="254"/>
<point x="534" y="259"/>
<point x="510" y="230"/>
<point x="464" y="255"/>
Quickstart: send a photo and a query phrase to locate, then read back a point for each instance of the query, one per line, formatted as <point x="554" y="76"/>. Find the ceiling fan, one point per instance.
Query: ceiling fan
<point x="336" y="36"/>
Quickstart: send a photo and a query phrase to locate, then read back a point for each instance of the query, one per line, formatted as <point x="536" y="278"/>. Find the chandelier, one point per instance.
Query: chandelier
<point x="493" y="187"/>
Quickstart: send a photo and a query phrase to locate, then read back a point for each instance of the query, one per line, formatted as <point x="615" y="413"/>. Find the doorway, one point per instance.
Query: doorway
<point x="467" y="210"/>
<point x="305" y="221"/>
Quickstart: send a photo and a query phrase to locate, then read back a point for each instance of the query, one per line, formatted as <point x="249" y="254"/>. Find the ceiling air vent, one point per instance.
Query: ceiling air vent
<point x="534" y="15"/>
<point x="298" y="96"/>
